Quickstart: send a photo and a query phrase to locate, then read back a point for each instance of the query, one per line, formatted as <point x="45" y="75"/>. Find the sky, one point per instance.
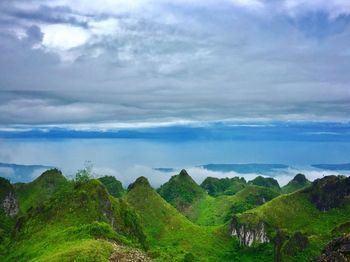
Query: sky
<point x="135" y="85"/>
<point x="119" y="63"/>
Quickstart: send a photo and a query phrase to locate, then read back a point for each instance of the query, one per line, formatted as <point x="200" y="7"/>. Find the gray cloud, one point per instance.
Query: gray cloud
<point x="65" y="62"/>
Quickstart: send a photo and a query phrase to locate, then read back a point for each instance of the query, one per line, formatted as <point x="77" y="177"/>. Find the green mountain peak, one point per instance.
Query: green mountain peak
<point x="184" y="173"/>
<point x="297" y="183"/>
<point x="139" y="182"/>
<point x="181" y="191"/>
<point x="265" y="182"/>
<point x="113" y="185"/>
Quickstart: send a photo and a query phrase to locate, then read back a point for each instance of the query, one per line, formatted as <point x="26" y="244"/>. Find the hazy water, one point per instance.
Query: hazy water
<point x="129" y="158"/>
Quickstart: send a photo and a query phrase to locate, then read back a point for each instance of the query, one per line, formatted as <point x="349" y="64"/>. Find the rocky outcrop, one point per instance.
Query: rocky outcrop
<point x="248" y="234"/>
<point x="329" y="192"/>
<point x="126" y="254"/>
<point x="338" y="250"/>
<point x="10" y="205"/>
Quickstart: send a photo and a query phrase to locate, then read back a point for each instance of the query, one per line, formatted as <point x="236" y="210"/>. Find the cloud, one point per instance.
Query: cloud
<point x="147" y="61"/>
<point x="63" y="37"/>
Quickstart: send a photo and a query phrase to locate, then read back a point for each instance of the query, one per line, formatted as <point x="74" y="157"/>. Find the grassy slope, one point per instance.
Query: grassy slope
<point x="219" y="210"/>
<point x="69" y="225"/>
<point x="40" y="190"/>
<point x="171" y="235"/>
<point x="182" y="192"/>
<point x="297" y="183"/>
<point x="294" y="212"/>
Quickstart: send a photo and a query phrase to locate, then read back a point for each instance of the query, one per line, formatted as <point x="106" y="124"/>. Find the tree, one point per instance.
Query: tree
<point x="85" y="174"/>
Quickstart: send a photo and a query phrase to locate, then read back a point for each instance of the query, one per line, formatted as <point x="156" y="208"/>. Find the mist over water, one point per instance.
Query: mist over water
<point x="128" y="159"/>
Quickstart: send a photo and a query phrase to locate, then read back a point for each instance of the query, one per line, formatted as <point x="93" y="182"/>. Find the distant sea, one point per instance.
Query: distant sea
<point x="158" y="153"/>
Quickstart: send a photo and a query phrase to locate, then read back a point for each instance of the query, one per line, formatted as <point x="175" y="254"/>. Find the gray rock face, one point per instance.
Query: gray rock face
<point x="338" y="250"/>
<point x="247" y="234"/>
<point x="10" y="204"/>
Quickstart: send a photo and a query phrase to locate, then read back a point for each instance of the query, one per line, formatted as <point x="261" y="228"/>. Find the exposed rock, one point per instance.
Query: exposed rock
<point x="108" y="213"/>
<point x="338" y="250"/>
<point x="125" y="254"/>
<point x="249" y="234"/>
<point x="10" y="204"/>
<point x="106" y="207"/>
<point x="329" y="192"/>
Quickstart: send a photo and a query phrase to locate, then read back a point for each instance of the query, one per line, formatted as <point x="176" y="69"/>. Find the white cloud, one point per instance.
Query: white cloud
<point x="63" y="37"/>
<point x="175" y="60"/>
<point x="107" y="27"/>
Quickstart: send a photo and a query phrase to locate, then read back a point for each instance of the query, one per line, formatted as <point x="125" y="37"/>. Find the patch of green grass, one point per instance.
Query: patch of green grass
<point x="68" y="221"/>
<point x="171" y="235"/>
<point x="79" y="251"/>
<point x="219" y="210"/>
<point x="41" y="189"/>
<point x="297" y="183"/>
<point x="181" y="191"/>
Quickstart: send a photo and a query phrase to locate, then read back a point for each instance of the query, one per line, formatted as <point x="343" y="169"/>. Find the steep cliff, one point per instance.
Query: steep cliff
<point x="8" y="200"/>
<point x="250" y="233"/>
<point x="10" y="205"/>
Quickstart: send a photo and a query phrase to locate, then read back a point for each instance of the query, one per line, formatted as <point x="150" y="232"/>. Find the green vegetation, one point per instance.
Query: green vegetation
<point x="227" y="186"/>
<point x="41" y="189"/>
<point x="294" y="213"/>
<point x="182" y="192"/>
<point x="114" y="186"/>
<point x="265" y="182"/>
<point x="69" y="222"/>
<point x="171" y="236"/>
<point x="297" y="183"/>
<point x="330" y="192"/>
<point x="95" y="219"/>
<point x="219" y="210"/>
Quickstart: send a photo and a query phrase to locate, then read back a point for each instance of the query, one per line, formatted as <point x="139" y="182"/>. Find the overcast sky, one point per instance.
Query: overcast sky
<point x="139" y="62"/>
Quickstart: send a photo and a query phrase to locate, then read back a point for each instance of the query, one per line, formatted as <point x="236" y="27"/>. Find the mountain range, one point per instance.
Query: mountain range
<point x="223" y="219"/>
